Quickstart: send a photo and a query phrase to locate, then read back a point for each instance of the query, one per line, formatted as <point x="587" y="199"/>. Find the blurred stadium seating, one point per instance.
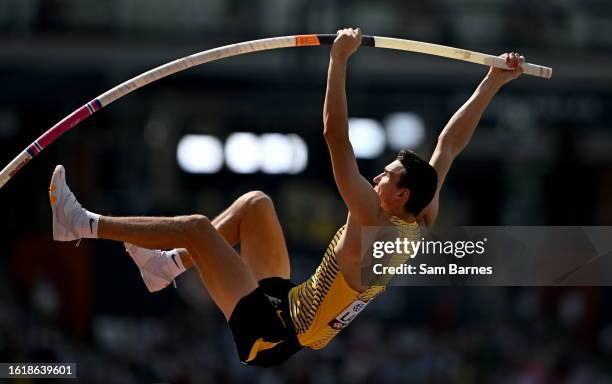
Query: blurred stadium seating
<point x="541" y="156"/>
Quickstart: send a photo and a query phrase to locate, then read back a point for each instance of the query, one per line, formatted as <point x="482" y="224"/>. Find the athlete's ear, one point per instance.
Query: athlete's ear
<point x="402" y="195"/>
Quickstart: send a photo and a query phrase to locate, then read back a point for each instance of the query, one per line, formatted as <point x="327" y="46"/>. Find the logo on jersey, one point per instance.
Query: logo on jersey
<point x="347" y="315"/>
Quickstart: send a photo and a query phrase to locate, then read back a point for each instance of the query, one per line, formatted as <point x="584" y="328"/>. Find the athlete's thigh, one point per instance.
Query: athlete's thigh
<point x="225" y="275"/>
<point x="262" y="242"/>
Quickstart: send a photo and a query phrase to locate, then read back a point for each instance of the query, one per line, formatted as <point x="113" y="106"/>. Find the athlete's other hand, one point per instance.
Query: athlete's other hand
<point x="347" y="42"/>
<point x="514" y="61"/>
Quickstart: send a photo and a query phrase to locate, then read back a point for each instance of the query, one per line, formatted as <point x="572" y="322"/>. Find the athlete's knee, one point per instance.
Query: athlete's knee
<point x="258" y="199"/>
<point x="194" y="225"/>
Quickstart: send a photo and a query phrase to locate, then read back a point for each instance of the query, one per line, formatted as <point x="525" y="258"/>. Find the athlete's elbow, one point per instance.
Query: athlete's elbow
<point x="449" y="144"/>
<point x="335" y="130"/>
<point x="328" y="125"/>
<point x="331" y="135"/>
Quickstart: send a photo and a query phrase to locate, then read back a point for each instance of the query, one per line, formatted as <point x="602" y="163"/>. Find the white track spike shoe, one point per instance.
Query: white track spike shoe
<point x="153" y="266"/>
<point x="68" y="214"/>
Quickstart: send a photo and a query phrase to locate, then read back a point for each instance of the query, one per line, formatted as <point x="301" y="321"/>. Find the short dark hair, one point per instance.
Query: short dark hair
<point x="420" y="178"/>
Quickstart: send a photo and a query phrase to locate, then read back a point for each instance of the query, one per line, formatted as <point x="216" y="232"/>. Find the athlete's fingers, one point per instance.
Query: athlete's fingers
<point x="512" y="60"/>
<point x="506" y="56"/>
<point x="517" y="59"/>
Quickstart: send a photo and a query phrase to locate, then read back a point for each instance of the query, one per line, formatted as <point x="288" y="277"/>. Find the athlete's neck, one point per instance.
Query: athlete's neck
<point x="401" y="214"/>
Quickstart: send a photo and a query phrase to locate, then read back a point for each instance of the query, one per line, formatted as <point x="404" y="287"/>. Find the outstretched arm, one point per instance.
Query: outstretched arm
<point x="357" y="193"/>
<point x="458" y="131"/>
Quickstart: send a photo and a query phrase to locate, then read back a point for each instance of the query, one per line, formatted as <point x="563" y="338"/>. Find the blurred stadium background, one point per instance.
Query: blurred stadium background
<point x="541" y="156"/>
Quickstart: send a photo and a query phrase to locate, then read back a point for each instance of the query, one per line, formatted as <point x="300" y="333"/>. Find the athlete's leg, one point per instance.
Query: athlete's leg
<point x="224" y="274"/>
<point x="251" y="221"/>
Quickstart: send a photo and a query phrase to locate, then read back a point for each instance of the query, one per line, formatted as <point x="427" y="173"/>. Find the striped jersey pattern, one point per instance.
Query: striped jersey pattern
<point x="316" y="287"/>
<point x="326" y="284"/>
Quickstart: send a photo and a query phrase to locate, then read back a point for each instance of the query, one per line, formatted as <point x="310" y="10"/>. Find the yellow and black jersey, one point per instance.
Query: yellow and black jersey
<point x="323" y="305"/>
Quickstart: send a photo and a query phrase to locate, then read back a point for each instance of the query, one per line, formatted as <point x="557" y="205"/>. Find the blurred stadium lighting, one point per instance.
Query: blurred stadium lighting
<point x="367" y="137"/>
<point x="405" y="130"/>
<point x="270" y="153"/>
<point x="200" y="154"/>
<point x="277" y="153"/>
<point x="243" y="152"/>
<point x="299" y="159"/>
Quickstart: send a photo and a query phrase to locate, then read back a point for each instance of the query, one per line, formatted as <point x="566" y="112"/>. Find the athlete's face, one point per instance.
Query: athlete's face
<point x="391" y="196"/>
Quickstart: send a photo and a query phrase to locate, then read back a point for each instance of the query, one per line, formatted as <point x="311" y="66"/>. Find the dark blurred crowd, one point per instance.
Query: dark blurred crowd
<point x="408" y="335"/>
<point x="541" y="156"/>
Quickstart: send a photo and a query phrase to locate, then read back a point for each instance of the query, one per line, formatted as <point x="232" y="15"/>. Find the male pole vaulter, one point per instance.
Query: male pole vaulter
<point x="270" y="317"/>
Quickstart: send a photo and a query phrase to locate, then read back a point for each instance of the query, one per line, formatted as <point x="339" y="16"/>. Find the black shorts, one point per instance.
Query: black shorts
<point x="262" y="326"/>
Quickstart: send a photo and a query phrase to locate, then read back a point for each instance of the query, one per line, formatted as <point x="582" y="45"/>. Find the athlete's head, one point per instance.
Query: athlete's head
<point x="408" y="182"/>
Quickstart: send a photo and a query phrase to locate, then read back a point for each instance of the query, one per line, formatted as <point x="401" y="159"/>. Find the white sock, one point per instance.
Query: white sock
<point x="174" y="264"/>
<point x="87" y="225"/>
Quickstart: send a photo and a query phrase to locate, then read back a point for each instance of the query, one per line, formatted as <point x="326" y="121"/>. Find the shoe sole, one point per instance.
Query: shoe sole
<point x="56" y="189"/>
